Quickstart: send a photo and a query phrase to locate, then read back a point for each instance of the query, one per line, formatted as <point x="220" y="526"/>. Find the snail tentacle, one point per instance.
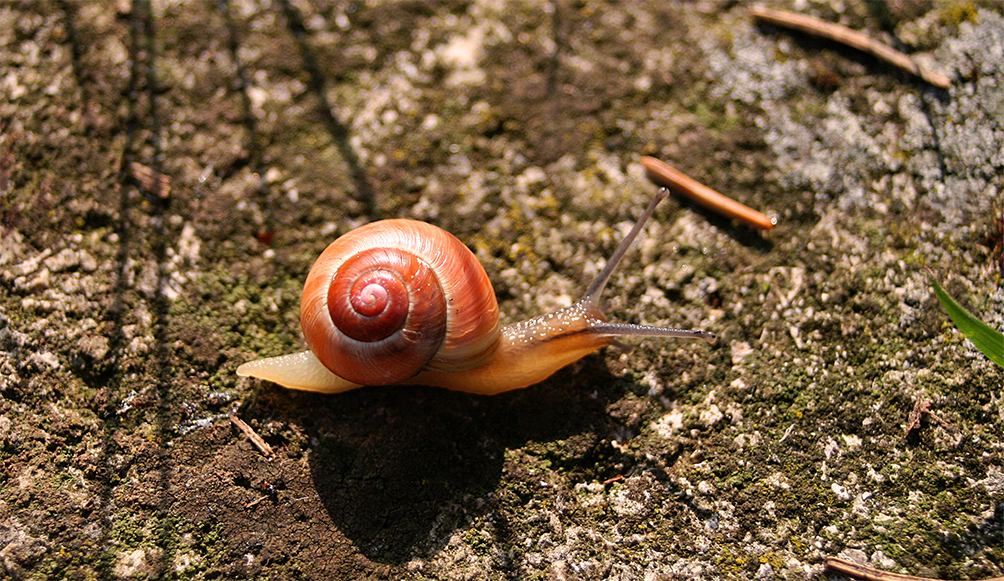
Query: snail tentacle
<point x="591" y="298"/>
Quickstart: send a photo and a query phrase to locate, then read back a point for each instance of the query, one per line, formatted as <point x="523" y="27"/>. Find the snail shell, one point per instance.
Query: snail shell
<point x="394" y="297"/>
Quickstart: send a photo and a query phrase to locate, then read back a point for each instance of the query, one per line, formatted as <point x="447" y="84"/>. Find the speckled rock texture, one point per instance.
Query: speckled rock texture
<point x="840" y="413"/>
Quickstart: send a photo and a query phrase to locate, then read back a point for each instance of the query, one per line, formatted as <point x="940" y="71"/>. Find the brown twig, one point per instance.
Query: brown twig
<point x="255" y="502"/>
<point x="678" y="182"/>
<point x="150" y="180"/>
<point x="851" y="38"/>
<point x="257" y="440"/>
<point x="855" y="571"/>
<point x="920" y="407"/>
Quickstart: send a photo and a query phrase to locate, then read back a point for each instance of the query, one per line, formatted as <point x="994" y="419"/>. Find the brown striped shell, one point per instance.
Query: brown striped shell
<point x="395" y="297"/>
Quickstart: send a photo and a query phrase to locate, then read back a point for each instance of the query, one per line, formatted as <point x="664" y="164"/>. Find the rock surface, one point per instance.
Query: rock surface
<point x="168" y="172"/>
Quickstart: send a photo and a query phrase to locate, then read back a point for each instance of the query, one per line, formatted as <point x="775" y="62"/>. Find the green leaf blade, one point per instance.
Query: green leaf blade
<point x="988" y="340"/>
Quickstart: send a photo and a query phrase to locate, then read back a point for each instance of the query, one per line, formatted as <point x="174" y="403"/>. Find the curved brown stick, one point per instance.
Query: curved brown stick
<point x="676" y="181"/>
<point x="252" y="435"/>
<point x="851" y="38"/>
<point x="865" y="573"/>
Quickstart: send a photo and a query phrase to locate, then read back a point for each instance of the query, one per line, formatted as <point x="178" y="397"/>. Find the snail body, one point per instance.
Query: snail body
<point x="404" y="302"/>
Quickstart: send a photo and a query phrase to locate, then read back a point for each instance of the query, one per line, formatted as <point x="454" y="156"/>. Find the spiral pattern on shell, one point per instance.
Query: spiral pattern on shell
<point x="394" y="297"/>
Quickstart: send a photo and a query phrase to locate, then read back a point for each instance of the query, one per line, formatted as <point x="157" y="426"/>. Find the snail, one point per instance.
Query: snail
<point x="404" y="302"/>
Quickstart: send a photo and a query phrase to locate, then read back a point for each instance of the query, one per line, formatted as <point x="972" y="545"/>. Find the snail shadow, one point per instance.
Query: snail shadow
<point x="400" y="468"/>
